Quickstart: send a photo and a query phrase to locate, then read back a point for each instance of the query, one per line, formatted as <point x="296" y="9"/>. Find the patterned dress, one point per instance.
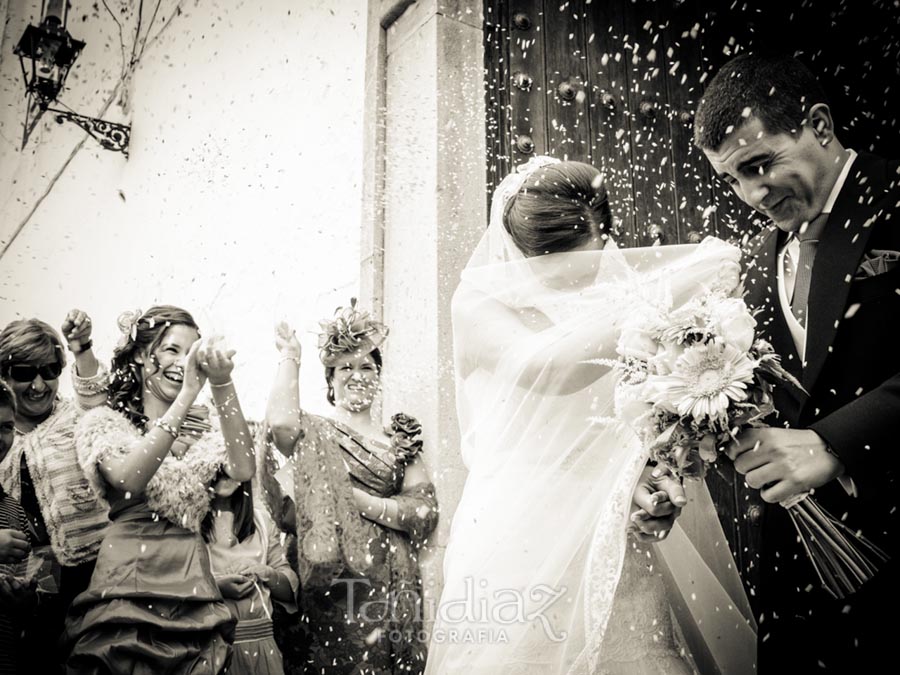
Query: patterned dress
<point x="361" y="603"/>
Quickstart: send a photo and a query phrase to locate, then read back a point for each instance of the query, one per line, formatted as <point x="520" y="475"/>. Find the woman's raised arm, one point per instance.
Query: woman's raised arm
<point x="550" y="362"/>
<point x="216" y="362"/>
<point x="283" y="407"/>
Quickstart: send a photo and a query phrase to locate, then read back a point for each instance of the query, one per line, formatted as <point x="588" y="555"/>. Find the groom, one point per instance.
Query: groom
<point x="824" y="277"/>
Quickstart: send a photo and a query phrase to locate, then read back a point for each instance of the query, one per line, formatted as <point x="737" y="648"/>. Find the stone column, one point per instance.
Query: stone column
<point x="424" y="211"/>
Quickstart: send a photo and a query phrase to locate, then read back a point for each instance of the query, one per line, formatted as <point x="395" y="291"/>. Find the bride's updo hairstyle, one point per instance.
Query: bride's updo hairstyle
<point x="560" y="207"/>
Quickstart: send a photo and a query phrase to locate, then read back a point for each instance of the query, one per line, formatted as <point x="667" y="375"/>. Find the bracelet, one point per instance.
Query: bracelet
<point x="165" y="426"/>
<point x="220" y="386"/>
<point x="295" y="359"/>
<point x="87" y="344"/>
<point x="90" y="386"/>
<point x="229" y="399"/>
<point x="384" y="504"/>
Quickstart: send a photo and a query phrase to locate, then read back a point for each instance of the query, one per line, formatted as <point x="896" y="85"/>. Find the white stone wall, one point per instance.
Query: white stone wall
<point x="429" y="189"/>
<point x="241" y="197"/>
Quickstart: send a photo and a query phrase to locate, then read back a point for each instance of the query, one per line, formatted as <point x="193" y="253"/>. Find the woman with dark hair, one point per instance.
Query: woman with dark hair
<point x="153" y="605"/>
<point x="540" y="577"/>
<point x="562" y="208"/>
<point x="364" y="505"/>
<point x="66" y="519"/>
<point x="250" y="567"/>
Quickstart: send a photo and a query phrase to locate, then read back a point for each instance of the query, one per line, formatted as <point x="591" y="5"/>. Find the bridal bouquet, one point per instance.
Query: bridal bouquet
<point x="691" y="378"/>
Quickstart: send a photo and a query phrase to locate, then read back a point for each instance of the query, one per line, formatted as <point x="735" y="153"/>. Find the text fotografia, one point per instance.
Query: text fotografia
<point x="477" y="617"/>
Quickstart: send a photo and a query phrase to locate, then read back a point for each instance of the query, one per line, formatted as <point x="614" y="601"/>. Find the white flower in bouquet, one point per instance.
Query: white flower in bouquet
<point x="706" y="379"/>
<point x="630" y="404"/>
<point x="638" y="338"/>
<point x="666" y="358"/>
<point x="733" y="322"/>
<point x="636" y="343"/>
<point x="729" y="277"/>
<point x="687" y="324"/>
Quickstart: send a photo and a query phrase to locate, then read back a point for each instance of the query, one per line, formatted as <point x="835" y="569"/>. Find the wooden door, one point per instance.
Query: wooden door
<point x="616" y="82"/>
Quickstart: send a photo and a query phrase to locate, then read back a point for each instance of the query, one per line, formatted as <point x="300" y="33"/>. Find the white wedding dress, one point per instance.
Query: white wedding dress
<point x="539" y="575"/>
<point x="641" y="636"/>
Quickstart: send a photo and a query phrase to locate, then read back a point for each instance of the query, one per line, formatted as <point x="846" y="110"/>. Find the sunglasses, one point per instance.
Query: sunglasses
<point x="22" y="372"/>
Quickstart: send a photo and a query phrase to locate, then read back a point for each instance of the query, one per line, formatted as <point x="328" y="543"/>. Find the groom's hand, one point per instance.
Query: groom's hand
<point x="783" y="462"/>
<point x="657" y="500"/>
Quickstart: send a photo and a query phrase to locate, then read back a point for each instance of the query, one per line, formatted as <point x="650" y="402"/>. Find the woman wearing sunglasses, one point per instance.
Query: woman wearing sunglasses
<point x="66" y="520"/>
<point x="153" y="605"/>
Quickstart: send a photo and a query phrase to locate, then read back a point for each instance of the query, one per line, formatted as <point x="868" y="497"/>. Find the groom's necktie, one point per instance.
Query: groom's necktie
<point x="809" y="241"/>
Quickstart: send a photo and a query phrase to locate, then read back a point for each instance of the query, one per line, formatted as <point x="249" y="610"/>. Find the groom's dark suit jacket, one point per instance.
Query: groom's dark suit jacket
<point x="852" y="382"/>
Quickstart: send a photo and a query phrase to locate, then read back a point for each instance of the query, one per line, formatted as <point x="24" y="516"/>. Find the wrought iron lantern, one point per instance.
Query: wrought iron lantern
<point x="50" y="52"/>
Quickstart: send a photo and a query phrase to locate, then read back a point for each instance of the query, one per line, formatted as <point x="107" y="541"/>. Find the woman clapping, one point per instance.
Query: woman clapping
<point x="153" y="605"/>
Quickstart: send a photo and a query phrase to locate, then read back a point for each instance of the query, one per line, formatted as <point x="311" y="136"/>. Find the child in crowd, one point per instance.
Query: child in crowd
<point x="250" y="568"/>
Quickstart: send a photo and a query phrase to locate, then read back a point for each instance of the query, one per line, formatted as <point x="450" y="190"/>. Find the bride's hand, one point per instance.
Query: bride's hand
<point x="286" y="341"/>
<point x="657" y="502"/>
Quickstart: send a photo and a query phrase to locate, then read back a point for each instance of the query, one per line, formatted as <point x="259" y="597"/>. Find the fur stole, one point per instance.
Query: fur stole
<point x="179" y="490"/>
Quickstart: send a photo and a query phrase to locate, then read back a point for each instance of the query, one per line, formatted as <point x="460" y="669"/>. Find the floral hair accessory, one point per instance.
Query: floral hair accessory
<point x="404" y="430"/>
<point x="523" y="173"/>
<point x="350" y="333"/>
<point x="128" y="323"/>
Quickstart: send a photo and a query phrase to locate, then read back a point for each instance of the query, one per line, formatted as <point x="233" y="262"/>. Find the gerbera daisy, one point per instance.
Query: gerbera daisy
<point x="706" y="379"/>
<point x="687" y="324"/>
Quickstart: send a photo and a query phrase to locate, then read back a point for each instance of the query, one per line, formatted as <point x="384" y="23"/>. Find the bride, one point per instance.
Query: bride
<point x="540" y="576"/>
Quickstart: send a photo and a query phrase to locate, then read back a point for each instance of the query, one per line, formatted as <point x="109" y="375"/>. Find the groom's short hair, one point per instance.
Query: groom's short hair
<point x="776" y="89"/>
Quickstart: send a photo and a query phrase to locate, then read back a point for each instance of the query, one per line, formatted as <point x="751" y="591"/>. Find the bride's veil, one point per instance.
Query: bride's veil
<point x="538" y="541"/>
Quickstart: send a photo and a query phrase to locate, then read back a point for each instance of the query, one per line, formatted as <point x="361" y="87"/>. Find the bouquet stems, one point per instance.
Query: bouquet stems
<point x="843" y="559"/>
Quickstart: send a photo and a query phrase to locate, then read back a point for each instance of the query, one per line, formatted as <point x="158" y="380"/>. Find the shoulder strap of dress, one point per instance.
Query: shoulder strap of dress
<point x="360" y="440"/>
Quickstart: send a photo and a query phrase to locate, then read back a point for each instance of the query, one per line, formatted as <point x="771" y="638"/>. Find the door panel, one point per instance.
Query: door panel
<point x="610" y="109"/>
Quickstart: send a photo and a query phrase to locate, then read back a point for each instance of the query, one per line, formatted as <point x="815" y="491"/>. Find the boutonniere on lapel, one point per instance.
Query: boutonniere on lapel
<point x="877" y="262"/>
<point x="404" y="431"/>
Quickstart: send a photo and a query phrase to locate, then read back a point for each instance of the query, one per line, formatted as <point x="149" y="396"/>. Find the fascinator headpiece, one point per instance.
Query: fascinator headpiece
<point x="350" y="333"/>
